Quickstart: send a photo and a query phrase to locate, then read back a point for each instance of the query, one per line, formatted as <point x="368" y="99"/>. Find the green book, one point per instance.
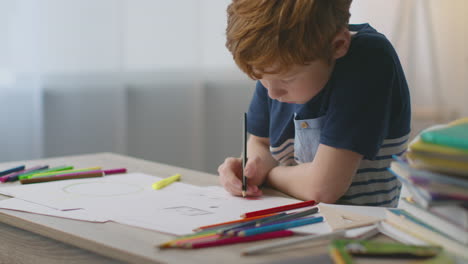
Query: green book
<point x="455" y="136"/>
<point x="345" y="250"/>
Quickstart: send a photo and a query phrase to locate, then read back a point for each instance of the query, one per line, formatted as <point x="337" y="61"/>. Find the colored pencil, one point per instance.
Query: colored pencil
<point x="231" y="222"/>
<point x="238" y="230"/>
<point x="183" y="242"/>
<point x="290" y="216"/>
<point x="53" y="173"/>
<point x="234" y="240"/>
<point x="279" y="209"/>
<point x="292" y="241"/>
<point x="280" y="226"/>
<point x="14" y="176"/>
<point x="178" y="241"/>
<point x="76" y="175"/>
<point x="233" y="229"/>
<point x="244" y="156"/>
<point x="15" y="169"/>
<point x="58" y="168"/>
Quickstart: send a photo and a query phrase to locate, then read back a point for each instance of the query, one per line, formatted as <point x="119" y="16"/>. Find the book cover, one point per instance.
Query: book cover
<point x="422" y="196"/>
<point x="346" y="251"/>
<point x="438" y="151"/>
<point x="457" y="214"/>
<point x="405" y="221"/>
<point x="455" y="135"/>
<point x="420" y="161"/>
<point x="445" y="225"/>
<point x="401" y="166"/>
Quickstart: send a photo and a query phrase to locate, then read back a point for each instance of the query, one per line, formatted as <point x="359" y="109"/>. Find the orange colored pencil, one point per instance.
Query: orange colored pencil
<point x="173" y="242"/>
<point x="233" y="222"/>
<point x="181" y="243"/>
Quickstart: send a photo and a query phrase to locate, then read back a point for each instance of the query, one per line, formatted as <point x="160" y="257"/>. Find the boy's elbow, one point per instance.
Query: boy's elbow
<point x="321" y="197"/>
<point x="329" y="199"/>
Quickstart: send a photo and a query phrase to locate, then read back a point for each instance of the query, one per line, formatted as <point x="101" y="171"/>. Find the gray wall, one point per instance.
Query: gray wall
<point x="177" y="118"/>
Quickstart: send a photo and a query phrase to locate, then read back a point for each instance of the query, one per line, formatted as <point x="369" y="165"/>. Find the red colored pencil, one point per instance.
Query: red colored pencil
<point x="234" y="240"/>
<point x="279" y="209"/>
<point x="231" y="222"/>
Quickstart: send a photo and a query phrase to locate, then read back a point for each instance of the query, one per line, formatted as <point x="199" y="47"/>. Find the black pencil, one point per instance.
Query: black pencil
<point x="244" y="156"/>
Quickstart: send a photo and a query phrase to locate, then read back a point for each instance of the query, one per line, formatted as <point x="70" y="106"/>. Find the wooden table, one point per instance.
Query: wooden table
<point x="31" y="238"/>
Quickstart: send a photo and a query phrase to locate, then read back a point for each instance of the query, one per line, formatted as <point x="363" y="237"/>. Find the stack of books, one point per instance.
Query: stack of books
<point x="435" y="172"/>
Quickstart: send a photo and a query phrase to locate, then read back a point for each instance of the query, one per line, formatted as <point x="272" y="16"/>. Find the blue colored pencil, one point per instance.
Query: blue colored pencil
<point x="15" y="169"/>
<point x="278" y="221"/>
<point x="295" y="215"/>
<point x="241" y="226"/>
<point x="280" y="226"/>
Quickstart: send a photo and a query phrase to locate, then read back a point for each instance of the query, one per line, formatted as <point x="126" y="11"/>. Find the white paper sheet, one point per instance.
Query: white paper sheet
<point x="25" y="206"/>
<point x="129" y="199"/>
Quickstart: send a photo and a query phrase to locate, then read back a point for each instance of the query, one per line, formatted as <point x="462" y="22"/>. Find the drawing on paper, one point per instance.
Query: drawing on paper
<point x="186" y="211"/>
<point x="102" y="189"/>
<point x="210" y="196"/>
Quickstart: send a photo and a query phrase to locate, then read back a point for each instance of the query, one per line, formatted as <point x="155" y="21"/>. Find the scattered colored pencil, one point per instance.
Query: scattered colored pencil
<point x="295" y="215"/>
<point x="14" y="176"/>
<point x="261" y="248"/>
<point x="218" y="225"/>
<point x="188" y="237"/>
<point x="58" y="168"/>
<point x="233" y="229"/>
<point x="53" y="173"/>
<point x="280" y="226"/>
<point x="234" y="240"/>
<point x="76" y="175"/>
<point x="182" y="242"/>
<point x="279" y="209"/>
<point x="15" y="169"/>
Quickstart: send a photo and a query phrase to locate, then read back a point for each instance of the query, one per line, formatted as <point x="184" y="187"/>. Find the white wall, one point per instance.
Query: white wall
<point x="432" y="47"/>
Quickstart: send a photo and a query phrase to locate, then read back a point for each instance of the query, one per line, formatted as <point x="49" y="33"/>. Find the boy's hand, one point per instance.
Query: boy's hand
<point x="230" y="176"/>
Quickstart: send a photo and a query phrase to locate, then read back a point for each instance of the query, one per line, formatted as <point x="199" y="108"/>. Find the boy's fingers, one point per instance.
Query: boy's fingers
<point x="256" y="193"/>
<point x="253" y="190"/>
<point x="235" y="182"/>
<point x="251" y="167"/>
<point x="233" y="163"/>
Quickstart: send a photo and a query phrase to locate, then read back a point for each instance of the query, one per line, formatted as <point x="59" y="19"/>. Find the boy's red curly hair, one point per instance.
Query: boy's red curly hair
<point x="262" y="34"/>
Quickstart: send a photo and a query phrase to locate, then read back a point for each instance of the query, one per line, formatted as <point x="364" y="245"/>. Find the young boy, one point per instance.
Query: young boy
<point x="331" y="105"/>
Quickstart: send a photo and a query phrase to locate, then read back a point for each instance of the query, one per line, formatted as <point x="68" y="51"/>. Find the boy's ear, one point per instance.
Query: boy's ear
<point x="341" y="43"/>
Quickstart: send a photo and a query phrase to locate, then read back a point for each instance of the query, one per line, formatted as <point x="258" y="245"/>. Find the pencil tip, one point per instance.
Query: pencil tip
<point x="243" y="193"/>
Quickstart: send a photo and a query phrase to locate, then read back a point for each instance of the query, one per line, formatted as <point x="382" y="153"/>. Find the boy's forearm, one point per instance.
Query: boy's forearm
<point x="321" y="180"/>
<point x="293" y="181"/>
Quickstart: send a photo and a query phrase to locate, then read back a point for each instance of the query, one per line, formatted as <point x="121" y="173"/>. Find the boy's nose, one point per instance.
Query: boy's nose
<point x="276" y="92"/>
